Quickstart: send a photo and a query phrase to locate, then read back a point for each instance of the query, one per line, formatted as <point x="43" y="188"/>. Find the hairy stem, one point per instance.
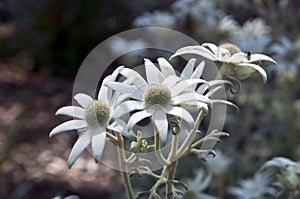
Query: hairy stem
<point x="122" y="159"/>
<point x="191" y="136"/>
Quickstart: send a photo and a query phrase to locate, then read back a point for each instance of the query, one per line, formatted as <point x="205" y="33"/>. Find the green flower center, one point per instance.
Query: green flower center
<point x="97" y="113"/>
<point x="157" y="94"/>
<point x="231" y="48"/>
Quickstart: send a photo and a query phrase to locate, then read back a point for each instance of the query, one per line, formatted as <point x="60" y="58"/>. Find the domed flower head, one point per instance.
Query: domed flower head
<point x="92" y="119"/>
<point x="159" y="97"/>
<point x="235" y="63"/>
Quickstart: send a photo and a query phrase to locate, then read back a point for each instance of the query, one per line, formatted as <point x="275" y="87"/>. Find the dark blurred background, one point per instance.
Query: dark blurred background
<point x="43" y="43"/>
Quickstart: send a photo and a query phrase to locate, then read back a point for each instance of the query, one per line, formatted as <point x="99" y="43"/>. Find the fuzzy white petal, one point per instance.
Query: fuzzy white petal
<point x="261" y="57"/>
<point x="165" y="67"/>
<point x="105" y="92"/>
<point x="188" y="69"/>
<point x="152" y="73"/>
<point x="189" y="97"/>
<point x="139" y="93"/>
<point x="72" y="111"/>
<point x="198" y="50"/>
<point x="98" y="143"/>
<point x="171" y="81"/>
<point x="185" y="84"/>
<point x="181" y="113"/>
<point x="161" y="123"/>
<point x="213" y="91"/>
<point x="83" y="99"/>
<point x="119" y="126"/>
<point x="259" y="69"/>
<point x="215" y="101"/>
<point x="198" y="71"/>
<point x="127" y="107"/>
<point x="68" y="126"/>
<point x="211" y="46"/>
<point x="121" y="87"/>
<point x="138" y="116"/>
<point x="237" y="57"/>
<point x="129" y="73"/>
<point x="82" y="142"/>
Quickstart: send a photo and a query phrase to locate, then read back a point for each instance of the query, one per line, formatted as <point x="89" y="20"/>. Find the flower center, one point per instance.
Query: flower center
<point x="157" y="94"/>
<point x="231" y="48"/>
<point x="97" y="113"/>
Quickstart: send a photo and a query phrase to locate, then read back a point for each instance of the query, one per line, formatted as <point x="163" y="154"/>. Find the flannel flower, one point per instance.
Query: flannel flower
<point x="93" y="119"/>
<point x="159" y="97"/>
<point x="236" y="63"/>
<point x="190" y="72"/>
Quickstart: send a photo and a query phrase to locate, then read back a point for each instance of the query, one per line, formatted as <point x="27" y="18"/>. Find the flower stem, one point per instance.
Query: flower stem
<point x="191" y="136"/>
<point x="122" y="159"/>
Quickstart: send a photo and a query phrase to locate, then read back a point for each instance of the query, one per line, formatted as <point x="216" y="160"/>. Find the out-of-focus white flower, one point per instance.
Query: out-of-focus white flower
<point x="157" y="18"/>
<point x="253" y="188"/>
<point x="235" y="62"/>
<point x="198" y="184"/>
<point x="228" y="24"/>
<point x="286" y="173"/>
<point x="288" y="54"/>
<point x="119" y="45"/>
<point x="218" y="164"/>
<point x="201" y="10"/>
<point x="158" y="97"/>
<point x="253" y="36"/>
<point x="93" y="119"/>
<point x="67" y="197"/>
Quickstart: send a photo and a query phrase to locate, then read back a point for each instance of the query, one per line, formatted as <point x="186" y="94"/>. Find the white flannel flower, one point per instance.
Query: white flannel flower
<point x="203" y="11"/>
<point x="254" y="188"/>
<point x="218" y="164"/>
<point x="253" y="35"/>
<point x="157" y="18"/>
<point x="288" y="54"/>
<point x="235" y="62"/>
<point x="158" y="97"/>
<point x="92" y="120"/>
<point x="190" y="72"/>
<point x="198" y="185"/>
<point x="119" y="45"/>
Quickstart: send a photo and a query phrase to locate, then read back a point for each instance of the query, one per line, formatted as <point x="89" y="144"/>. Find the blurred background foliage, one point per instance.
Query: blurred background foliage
<point x="53" y="37"/>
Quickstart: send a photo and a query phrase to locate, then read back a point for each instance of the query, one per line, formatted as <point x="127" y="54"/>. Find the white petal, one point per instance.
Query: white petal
<point x="199" y="71"/>
<point x="139" y="93"/>
<point x="105" y="93"/>
<point x="83" y="141"/>
<point x="72" y="111"/>
<point x="259" y="69"/>
<point x="188" y="69"/>
<point x="171" y="81"/>
<point x="165" y="67"/>
<point x="129" y="73"/>
<point x="189" y="97"/>
<point x="223" y="55"/>
<point x="202" y="88"/>
<point x="120" y="99"/>
<point x="261" y="57"/>
<point x="138" y="116"/>
<point x="68" y="126"/>
<point x="184" y="85"/>
<point x="98" y="143"/>
<point x="237" y="57"/>
<point x="121" y="87"/>
<point x="161" y="123"/>
<point x="120" y="126"/>
<point x="127" y="107"/>
<point x="214" y="101"/>
<point x="83" y="99"/>
<point x="152" y="73"/>
<point x="211" y="46"/>
<point x="213" y="91"/>
<point x="181" y="113"/>
<point x="198" y="50"/>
